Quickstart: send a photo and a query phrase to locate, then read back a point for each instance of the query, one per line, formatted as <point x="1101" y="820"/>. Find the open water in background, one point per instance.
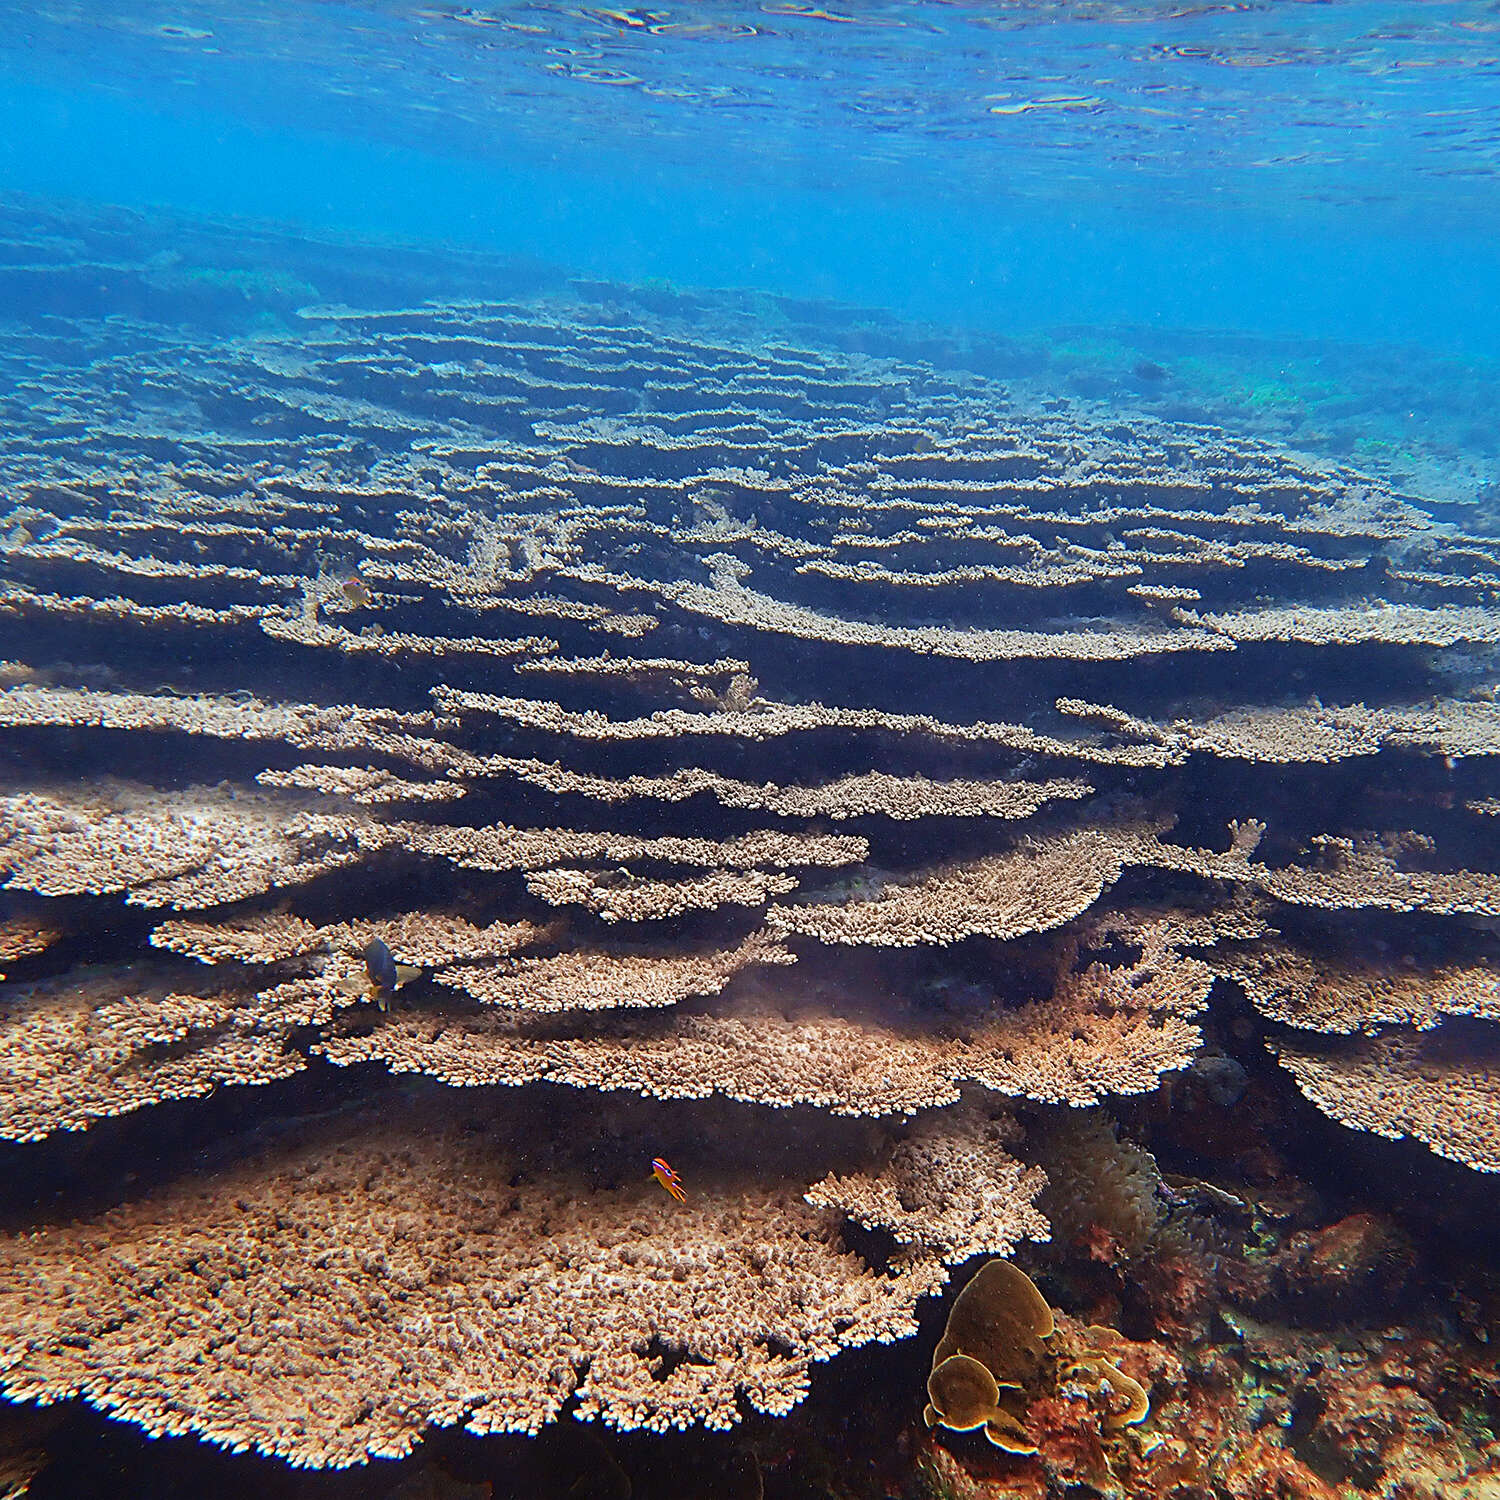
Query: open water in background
<point x="1288" y="210"/>
<point x="1325" y="170"/>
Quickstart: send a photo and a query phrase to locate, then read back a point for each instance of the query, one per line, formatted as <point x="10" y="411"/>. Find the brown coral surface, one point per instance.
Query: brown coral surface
<point x="328" y="1300"/>
<point x="697" y="717"/>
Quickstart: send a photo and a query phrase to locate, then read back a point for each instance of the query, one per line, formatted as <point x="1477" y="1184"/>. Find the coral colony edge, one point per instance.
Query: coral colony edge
<point x="473" y="764"/>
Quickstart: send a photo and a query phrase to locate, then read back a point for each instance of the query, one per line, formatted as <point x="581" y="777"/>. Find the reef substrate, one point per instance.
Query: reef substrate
<point x="829" y="772"/>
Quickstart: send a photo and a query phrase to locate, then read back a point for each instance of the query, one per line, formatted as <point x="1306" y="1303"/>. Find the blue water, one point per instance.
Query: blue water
<point x="1280" y="220"/>
<point x="1324" y="170"/>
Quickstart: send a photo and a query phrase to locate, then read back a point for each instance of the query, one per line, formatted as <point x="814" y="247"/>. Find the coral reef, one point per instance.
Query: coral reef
<point x="392" y="1269"/>
<point x="821" y="768"/>
<point x="1290" y="1346"/>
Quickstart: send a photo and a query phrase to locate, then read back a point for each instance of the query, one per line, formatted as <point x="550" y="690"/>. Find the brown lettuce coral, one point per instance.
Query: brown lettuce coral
<point x="1003" y="1348"/>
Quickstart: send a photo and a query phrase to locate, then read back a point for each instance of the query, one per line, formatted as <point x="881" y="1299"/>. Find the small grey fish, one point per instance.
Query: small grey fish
<point x="385" y="975"/>
<point x="380" y="965"/>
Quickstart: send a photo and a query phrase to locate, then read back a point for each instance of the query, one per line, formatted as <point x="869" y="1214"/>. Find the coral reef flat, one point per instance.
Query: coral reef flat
<point x="482" y="748"/>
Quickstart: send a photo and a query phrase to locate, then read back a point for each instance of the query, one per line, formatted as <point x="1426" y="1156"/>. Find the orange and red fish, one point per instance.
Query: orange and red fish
<point x="356" y="592"/>
<point x="662" y="1171"/>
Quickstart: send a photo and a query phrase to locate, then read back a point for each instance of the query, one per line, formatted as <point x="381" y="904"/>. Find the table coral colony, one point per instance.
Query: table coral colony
<point x="797" y="765"/>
